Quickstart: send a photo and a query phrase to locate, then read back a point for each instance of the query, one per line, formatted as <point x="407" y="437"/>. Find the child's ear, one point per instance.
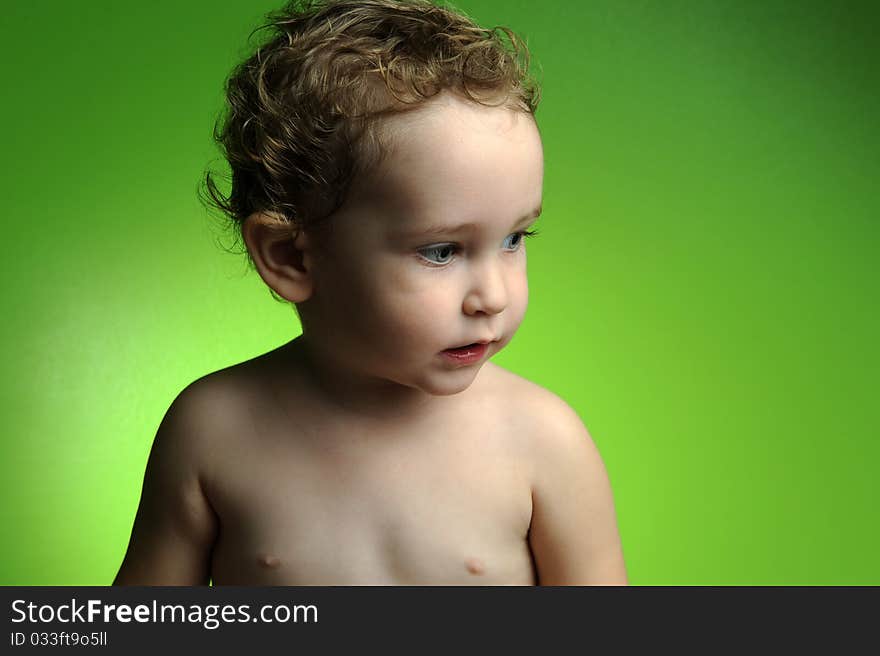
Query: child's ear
<point x="283" y="260"/>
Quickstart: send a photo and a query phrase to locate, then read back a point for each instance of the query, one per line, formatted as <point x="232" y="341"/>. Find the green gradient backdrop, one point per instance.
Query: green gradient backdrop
<point x="703" y="292"/>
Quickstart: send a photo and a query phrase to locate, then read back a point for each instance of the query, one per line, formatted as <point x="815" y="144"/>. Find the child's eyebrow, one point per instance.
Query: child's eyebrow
<point x="440" y="229"/>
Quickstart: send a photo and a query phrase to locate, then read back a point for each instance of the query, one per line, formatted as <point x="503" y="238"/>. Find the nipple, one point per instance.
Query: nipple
<point x="475" y="566"/>
<point x="267" y="560"/>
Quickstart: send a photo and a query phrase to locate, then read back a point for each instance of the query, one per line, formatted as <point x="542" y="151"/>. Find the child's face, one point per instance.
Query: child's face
<point x="389" y="298"/>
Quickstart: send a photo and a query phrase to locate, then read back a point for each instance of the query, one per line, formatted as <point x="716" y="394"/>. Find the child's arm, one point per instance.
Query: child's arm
<point x="573" y="536"/>
<point x="175" y="527"/>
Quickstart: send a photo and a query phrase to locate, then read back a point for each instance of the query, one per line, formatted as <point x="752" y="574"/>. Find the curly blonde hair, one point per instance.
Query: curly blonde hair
<point x="304" y="113"/>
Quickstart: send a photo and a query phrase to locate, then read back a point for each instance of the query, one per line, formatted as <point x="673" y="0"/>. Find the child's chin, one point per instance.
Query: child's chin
<point x="451" y="383"/>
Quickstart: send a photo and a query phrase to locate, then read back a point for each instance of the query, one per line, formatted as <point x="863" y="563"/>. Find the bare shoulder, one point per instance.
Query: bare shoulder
<point x="198" y="420"/>
<point x="175" y="525"/>
<point x="231" y="396"/>
<point x="230" y="406"/>
<point x="210" y="405"/>
<point x="545" y="418"/>
<point x="573" y="533"/>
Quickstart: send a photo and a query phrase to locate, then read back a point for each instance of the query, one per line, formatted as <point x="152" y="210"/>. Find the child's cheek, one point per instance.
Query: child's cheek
<point x="518" y="304"/>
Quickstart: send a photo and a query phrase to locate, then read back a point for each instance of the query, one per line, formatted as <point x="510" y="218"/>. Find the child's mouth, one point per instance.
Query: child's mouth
<point x="467" y="354"/>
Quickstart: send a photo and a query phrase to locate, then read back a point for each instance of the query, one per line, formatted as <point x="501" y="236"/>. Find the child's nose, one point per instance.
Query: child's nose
<point x="488" y="291"/>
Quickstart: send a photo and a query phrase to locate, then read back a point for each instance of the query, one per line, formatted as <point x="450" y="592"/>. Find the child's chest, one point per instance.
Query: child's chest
<point x="452" y="508"/>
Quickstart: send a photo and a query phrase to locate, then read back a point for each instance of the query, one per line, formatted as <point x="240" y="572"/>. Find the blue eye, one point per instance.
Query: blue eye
<point x="441" y="252"/>
<point x="520" y="236"/>
<point x="517" y="237"/>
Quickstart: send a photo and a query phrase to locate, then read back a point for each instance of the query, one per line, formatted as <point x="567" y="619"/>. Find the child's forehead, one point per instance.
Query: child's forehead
<point x="449" y="120"/>
<point x="459" y="162"/>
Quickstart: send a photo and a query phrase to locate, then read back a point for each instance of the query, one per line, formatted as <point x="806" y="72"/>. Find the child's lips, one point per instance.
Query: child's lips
<point x="482" y="342"/>
<point x="466" y="354"/>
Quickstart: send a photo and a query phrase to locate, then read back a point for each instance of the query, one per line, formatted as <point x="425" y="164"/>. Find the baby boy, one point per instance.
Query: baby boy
<point x="386" y="169"/>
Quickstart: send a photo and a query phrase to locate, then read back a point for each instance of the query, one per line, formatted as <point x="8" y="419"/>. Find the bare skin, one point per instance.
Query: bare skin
<point x="272" y="493"/>
<point x="359" y="453"/>
<point x="440" y="500"/>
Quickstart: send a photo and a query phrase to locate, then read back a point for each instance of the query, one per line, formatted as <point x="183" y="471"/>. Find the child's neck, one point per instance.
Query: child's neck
<point x="361" y="397"/>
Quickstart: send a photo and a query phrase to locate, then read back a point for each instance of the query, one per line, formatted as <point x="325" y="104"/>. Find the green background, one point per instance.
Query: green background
<point x="704" y="291"/>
